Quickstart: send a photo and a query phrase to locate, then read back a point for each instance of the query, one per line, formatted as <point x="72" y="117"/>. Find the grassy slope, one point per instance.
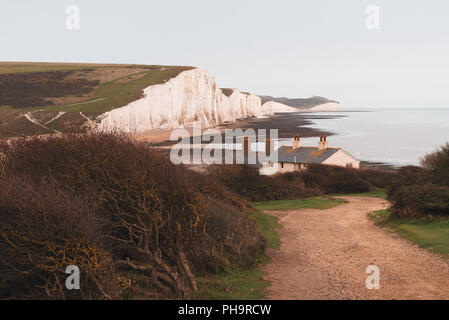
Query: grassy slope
<point x="114" y="94"/>
<point x="24" y="67"/>
<point x="239" y="283"/>
<point x="109" y="95"/>
<point x="429" y="234"/>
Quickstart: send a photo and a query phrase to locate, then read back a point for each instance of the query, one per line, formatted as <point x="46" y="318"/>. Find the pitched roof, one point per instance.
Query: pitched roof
<point x="305" y="154"/>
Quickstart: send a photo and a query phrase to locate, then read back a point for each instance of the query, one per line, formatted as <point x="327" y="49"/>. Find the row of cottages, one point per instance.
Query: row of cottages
<point x="297" y="157"/>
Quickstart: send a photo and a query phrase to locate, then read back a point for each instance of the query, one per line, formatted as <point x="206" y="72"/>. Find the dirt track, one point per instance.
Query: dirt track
<point x="324" y="255"/>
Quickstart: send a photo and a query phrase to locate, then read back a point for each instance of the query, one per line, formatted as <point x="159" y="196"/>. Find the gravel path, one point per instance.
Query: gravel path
<point x="324" y="255"/>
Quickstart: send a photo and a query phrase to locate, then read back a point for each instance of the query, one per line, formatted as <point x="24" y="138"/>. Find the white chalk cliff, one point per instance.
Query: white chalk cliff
<point x="271" y="107"/>
<point x="191" y="96"/>
<point x="330" y="106"/>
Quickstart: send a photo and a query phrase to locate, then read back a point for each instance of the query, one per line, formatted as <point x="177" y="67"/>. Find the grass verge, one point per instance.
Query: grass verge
<point x="373" y="194"/>
<point x="429" y="234"/>
<point x="312" y="203"/>
<point x="268" y="225"/>
<point x="238" y="282"/>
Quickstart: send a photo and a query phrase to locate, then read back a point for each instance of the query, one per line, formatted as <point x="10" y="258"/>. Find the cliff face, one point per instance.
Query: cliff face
<point x="272" y="107"/>
<point x="330" y="106"/>
<point x="316" y="103"/>
<point x="191" y="96"/>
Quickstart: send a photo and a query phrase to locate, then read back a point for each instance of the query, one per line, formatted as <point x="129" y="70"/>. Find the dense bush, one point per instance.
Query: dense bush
<point x="340" y="180"/>
<point x="407" y="176"/>
<point x="421" y="200"/>
<point x="238" y="240"/>
<point x="42" y="231"/>
<point x="422" y="191"/>
<point x="247" y="182"/>
<point x="317" y="180"/>
<point x="155" y="218"/>
<point x="438" y="164"/>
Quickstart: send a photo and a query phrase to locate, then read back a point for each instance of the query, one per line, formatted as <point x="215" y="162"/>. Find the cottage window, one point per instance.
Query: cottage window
<point x="349" y="165"/>
<point x="282" y="165"/>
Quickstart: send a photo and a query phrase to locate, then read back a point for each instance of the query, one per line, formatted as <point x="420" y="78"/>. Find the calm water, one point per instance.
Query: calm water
<point x="395" y="136"/>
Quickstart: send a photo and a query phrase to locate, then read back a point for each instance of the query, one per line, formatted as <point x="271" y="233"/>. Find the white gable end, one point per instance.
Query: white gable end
<point x="342" y="159"/>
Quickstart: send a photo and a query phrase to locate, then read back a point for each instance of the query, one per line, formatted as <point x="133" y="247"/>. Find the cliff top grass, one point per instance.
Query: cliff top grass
<point x="45" y="89"/>
<point x="118" y="93"/>
<point x="77" y="87"/>
<point x="27" y="67"/>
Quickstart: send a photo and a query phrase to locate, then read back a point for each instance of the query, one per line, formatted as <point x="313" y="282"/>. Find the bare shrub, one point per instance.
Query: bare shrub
<point x="154" y="212"/>
<point x="42" y="231"/>
<point x="238" y="237"/>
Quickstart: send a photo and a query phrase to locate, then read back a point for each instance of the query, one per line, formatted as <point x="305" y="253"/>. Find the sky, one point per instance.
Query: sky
<point x="297" y="48"/>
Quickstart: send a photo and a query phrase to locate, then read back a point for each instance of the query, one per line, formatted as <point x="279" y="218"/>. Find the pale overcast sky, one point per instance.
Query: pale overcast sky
<point x="283" y="48"/>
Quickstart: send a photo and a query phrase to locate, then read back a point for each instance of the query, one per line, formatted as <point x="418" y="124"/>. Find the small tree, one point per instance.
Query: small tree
<point x="438" y="163"/>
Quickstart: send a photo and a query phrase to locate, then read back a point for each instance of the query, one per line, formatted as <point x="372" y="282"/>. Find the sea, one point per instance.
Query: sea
<point x="393" y="136"/>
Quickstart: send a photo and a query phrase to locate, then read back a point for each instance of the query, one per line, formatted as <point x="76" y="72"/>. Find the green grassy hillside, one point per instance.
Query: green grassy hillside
<point x="34" y="94"/>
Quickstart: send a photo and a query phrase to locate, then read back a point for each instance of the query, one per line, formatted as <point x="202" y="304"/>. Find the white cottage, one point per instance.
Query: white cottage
<point x="297" y="157"/>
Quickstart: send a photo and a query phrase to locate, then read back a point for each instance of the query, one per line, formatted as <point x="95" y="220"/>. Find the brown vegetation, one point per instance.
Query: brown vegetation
<point x="44" y="229"/>
<point x="140" y="215"/>
<point x="317" y="180"/>
<point x="33" y="95"/>
<point x="59" y="87"/>
<point x="423" y="191"/>
<point x="36" y="89"/>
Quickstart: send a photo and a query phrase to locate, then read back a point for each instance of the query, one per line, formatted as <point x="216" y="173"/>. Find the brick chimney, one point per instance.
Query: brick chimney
<point x="269" y="147"/>
<point x="296" y="142"/>
<point x="323" y="143"/>
<point x="246" y="146"/>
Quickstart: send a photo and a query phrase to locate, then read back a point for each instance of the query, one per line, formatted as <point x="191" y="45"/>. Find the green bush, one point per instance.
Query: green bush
<point x="438" y="164"/>
<point x="421" y="200"/>
<point x="247" y="182"/>
<point x="407" y="176"/>
<point x="316" y="180"/>
<point x="340" y="180"/>
<point x="422" y="191"/>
